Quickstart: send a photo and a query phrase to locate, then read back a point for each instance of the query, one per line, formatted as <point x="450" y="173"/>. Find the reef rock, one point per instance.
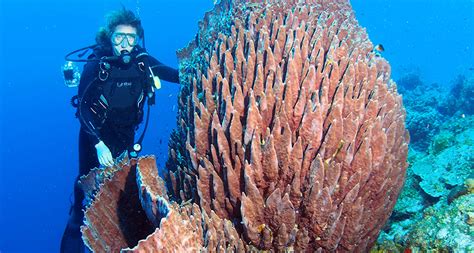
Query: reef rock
<point x="290" y="136"/>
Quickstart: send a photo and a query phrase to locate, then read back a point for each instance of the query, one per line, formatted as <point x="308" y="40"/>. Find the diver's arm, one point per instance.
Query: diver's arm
<point x="162" y="71"/>
<point x="86" y="117"/>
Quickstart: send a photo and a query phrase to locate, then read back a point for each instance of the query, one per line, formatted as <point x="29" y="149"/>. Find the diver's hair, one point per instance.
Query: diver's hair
<point x="115" y="18"/>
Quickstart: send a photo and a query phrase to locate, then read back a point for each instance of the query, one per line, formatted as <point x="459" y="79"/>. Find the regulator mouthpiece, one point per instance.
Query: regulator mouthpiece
<point x="125" y="56"/>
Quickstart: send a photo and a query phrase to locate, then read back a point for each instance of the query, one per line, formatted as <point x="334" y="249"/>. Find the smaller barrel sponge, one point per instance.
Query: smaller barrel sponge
<point x="448" y="164"/>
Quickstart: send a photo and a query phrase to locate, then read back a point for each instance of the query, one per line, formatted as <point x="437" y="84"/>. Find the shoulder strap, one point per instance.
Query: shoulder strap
<point x="152" y="82"/>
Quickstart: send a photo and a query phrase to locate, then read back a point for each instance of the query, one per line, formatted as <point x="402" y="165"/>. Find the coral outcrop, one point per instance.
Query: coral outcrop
<point x="429" y="106"/>
<point x="461" y="97"/>
<point x="290" y="136"/>
<point x="422" y="102"/>
<point x="439" y="228"/>
<point x="434" y="210"/>
<point x="447" y="167"/>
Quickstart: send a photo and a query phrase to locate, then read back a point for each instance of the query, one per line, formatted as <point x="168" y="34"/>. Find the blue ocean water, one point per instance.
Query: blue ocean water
<point x="38" y="130"/>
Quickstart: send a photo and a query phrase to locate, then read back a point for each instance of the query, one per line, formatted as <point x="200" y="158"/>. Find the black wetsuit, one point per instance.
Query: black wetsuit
<point x="112" y="118"/>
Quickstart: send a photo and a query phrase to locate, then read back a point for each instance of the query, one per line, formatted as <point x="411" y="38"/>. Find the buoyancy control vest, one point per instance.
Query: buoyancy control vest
<point x="122" y="90"/>
<point x="117" y="95"/>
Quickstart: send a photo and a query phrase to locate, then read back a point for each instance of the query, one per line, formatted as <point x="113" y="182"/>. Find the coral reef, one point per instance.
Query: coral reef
<point x="290" y="137"/>
<point x="428" y="106"/>
<point x="440" y="228"/>
<point x="433" y="211"/>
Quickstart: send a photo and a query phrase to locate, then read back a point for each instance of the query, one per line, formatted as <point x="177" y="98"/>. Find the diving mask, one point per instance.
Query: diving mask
<point x="118" y="38"/>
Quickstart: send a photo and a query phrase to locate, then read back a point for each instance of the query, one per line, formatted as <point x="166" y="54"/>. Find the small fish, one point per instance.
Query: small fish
<point x="328" y="63"/>
<point x="463" y="115"/>
<point x="379" y="48"/>
<point x="471" y="68"/>
<point x="260" y="228"/>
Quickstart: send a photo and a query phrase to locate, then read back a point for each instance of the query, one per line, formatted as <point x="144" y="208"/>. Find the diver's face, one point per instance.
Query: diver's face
<point x="124" y="38"/>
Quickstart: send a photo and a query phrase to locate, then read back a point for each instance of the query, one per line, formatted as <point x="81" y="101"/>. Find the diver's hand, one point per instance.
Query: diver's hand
<point x="104" y="155"/>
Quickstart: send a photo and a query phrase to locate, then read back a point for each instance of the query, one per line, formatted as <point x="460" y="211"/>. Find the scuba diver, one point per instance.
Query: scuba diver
<point x="117" y="79"/>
